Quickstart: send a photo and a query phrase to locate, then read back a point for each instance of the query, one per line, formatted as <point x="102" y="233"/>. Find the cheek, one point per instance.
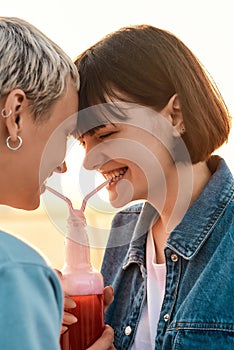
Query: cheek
<point x="121" y="193"/>
<point x="148" y="180"/>
<point x="53" y="155"/>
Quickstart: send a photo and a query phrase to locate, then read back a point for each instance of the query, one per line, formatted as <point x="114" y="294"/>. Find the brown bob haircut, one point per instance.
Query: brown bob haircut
<point x="149" y="65"/>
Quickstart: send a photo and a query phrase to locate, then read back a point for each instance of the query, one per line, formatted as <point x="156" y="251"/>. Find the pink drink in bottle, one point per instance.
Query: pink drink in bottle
<point x="84" y="285"/>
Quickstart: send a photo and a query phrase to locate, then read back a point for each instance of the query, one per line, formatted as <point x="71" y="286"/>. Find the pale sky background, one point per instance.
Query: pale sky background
<point x="205" y="26"/>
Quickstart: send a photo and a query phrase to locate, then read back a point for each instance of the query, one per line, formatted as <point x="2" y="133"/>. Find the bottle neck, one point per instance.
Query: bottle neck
<point x="77" y="255"/>
<point x="77" y="252"/>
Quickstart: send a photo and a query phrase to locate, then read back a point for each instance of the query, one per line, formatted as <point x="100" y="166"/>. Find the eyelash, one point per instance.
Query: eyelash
<point x="82" y="143"/>
<point x="107" y="135"/>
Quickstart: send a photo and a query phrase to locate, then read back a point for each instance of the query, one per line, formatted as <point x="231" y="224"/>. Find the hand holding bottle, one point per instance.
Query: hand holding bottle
<point x="69" y="318"/>
<point x="105" y="342"/>
<point x="68" y="303"/>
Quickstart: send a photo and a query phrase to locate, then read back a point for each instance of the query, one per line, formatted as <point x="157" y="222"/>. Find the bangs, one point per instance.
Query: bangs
<point x="98" y="102"/>
<point x="100" y="92"/>
<point x="97" y="116"/>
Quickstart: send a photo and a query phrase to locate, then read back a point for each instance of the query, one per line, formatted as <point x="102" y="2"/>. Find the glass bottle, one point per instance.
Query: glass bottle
<point x="83" y="284"/>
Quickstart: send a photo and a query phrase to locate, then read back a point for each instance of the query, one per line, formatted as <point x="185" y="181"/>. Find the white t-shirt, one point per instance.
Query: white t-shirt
<point x="156" y="276"/>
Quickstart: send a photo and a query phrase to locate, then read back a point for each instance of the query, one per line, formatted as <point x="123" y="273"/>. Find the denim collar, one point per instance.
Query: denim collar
<point x="198" y="223"/>
<point x="136" y="251"/>
<point x="201" y="218"/>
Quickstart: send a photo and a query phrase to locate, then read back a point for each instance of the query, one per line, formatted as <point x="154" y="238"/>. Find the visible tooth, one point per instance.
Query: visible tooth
<point x="116" y="174"/>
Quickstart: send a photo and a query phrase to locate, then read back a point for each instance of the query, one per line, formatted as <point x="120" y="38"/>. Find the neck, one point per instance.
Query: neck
<point x="184" y="185"/>
<point x="173" y="211"/>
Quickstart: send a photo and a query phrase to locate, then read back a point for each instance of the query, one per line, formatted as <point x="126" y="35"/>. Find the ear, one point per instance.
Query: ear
<point x="14" y="104"/>
<point x="173" y="112"/>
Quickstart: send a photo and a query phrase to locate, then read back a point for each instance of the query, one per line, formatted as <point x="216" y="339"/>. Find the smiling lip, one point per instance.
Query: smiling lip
<point x="115" y="175"/>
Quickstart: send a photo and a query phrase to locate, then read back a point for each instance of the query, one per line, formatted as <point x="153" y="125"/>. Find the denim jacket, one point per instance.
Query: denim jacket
<point x="198" y="306"/>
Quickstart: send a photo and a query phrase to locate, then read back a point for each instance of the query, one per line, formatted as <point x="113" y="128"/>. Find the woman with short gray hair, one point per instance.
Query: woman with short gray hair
<point x="38" y="111"/>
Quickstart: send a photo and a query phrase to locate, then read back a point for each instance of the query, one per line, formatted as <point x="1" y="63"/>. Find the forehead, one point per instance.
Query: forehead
<point x="91" y="119"/>
<point x="97" y="117"/>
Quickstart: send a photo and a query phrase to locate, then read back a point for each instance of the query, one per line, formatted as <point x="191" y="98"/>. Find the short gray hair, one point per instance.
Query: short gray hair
<point x="32" y="62"/>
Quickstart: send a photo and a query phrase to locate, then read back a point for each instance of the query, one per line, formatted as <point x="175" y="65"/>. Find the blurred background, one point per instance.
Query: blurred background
<point x="206" y="27"/>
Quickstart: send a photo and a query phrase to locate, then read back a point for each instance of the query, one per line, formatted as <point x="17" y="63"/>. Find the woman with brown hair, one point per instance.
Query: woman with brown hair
<point x="150" y="118"/>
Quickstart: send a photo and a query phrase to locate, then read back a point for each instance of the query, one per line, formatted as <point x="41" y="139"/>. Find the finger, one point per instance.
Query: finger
<point x="69" y="319"/>
<point x="63" y="329"/>
<point x="59" y="273"/>
<point x="105" y="342"/>
<point x="69" y="303"/>
<point x="108" y="296"/>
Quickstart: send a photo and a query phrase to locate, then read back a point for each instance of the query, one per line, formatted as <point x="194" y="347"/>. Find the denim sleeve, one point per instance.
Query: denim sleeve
<point x="31" y="307"/>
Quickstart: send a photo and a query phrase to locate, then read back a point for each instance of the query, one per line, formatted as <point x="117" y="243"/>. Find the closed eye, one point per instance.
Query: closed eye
<point x="103" y="136"/>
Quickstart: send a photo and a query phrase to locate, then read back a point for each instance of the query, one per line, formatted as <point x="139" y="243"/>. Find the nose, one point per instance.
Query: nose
<point x="95" y="157"/>
<point x="61" y="168"/>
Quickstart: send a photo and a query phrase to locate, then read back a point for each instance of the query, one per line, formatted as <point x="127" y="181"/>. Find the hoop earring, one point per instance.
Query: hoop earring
<point x="14" y="148"/>
<point x="4" y="115"/>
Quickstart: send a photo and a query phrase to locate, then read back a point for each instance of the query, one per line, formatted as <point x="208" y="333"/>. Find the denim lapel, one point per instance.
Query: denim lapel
<point x="201" y="218"/>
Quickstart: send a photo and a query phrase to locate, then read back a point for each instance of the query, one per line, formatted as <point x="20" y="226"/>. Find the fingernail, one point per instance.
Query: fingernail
<point x="73" y="303"/>
<point x="70" y="303"/>
<point x="63" y="329"/>
<point x="71" y="318"/>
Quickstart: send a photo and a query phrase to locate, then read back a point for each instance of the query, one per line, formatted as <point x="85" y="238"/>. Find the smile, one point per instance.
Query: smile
<point x="116" y="174"/>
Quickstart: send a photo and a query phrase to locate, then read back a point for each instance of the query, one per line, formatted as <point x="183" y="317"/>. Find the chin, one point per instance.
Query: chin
<point x="121" y="193"/>
<point x="29" y="201"/>
<point x="33" y="207"/>
<point x="30" y="204"/>
<point x="35" y="204"/>
<point x="118" y="202"/>
<point x="117" y="205"/>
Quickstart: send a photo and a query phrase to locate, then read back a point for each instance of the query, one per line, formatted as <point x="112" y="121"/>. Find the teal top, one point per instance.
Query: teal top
<point x="31" y="299"/>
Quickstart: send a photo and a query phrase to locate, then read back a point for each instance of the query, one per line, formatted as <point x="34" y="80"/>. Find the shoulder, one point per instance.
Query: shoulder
<point x="14" y="250"/>
<point x="226" y="221"/>
<point x="123" y="225"/>
<point x="19" y="259"/>
<point x="22" y="265"/>
<point x="30" y="291"/>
